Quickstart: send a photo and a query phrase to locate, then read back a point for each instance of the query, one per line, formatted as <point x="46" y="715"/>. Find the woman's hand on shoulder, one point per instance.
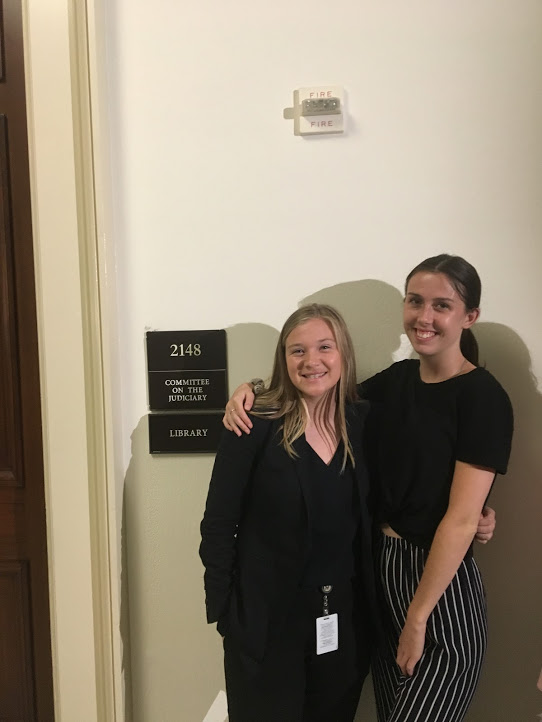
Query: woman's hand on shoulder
<point x="235" y="417"/>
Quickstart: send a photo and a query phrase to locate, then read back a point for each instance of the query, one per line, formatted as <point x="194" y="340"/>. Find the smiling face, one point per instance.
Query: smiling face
<point x="313" y="359"/>
<point x="434" y="315"/>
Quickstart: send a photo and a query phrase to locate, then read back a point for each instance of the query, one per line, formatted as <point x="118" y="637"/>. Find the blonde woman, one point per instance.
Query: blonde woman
<point x="286" y="536"/>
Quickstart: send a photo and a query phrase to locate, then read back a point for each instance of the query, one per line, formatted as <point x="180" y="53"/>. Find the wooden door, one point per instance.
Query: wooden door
<point x="26" y="692"/>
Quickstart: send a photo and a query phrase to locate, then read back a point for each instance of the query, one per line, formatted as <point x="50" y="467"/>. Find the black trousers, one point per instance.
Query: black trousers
<point x="293" y="683"/>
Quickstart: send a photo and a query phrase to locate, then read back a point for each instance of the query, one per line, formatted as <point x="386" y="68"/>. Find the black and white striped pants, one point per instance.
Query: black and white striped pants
<point x="446" y="676"/>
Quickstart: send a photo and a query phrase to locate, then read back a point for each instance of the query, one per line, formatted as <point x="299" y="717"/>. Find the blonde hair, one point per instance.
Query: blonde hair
<point x="282" y="400"/>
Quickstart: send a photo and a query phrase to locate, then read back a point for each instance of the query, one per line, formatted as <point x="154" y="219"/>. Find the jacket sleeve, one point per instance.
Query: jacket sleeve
<point x="232" y="472"/>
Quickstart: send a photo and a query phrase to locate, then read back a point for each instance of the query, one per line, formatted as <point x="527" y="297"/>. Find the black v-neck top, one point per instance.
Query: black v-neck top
<point x="417" y="433"/>
<point x="333" y="515"/>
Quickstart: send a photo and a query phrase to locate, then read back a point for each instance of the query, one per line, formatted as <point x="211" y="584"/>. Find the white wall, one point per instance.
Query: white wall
<point x="222" y="218"/>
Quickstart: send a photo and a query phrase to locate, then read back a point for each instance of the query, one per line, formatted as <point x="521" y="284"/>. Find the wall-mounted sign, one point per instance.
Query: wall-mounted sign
<point x="184" y="433"/>
<point x="186" y="370"/>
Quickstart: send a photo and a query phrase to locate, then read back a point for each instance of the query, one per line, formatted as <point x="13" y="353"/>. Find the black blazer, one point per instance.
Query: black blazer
<point x="255" y="531"/>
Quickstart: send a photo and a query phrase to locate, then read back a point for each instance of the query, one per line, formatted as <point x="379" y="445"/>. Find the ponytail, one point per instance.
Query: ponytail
<point x="469" y="346"/>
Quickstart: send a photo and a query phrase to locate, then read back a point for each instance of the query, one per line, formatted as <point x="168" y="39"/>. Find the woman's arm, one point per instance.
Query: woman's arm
<point x="470" y="487"/>
<point x="236" y="418"/>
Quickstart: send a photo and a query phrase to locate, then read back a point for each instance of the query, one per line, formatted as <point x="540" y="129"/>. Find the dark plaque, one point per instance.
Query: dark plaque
<point x="187" y="370"/>
<point x="184" y="433"/>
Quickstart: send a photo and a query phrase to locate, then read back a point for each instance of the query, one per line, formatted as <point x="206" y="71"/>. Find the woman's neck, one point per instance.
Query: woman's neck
<point x="316" y="408"/>
<point x="435" y="369"/>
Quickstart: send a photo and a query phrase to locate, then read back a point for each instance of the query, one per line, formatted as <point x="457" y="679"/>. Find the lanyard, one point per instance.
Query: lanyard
<point x="326" y="589"/>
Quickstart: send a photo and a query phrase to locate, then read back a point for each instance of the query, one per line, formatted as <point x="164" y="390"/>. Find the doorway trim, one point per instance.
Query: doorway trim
<point x="74" y="291"/>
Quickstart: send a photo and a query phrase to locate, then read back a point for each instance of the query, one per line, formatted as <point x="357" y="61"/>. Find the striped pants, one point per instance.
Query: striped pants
<point x="446" y="676"/>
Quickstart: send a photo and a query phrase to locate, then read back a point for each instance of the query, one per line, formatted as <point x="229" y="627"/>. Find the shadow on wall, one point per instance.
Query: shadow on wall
<point x="512" y="562"/>
<point x="169" y="640"/>
<point x="251" y="347"/>
<point x="165" y="497"/>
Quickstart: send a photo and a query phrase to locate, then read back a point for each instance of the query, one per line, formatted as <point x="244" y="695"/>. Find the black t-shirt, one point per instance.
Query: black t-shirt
<point x="420" y="430"/>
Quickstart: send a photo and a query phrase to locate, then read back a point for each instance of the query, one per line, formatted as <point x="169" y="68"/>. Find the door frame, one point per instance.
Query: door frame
<point x="75" y="291"/>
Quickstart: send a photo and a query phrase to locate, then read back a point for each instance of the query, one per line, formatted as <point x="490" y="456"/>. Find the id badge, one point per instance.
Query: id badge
<point x="327" y="634"/>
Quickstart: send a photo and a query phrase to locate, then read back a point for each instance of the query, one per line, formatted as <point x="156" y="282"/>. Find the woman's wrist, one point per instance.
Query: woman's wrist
<point x="416" y="617"/>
